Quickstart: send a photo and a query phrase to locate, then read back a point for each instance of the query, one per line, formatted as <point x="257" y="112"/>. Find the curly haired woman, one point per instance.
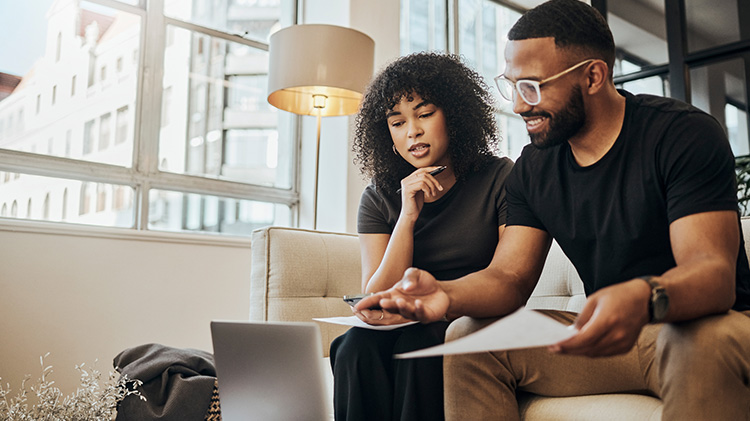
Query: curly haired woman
<point x="421" y="113"/>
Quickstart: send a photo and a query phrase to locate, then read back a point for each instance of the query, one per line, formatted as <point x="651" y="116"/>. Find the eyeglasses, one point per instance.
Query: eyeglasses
<point x="530" y="90"/>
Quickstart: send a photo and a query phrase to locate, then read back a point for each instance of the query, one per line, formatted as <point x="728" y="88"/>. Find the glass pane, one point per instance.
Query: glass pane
<point x="651" y="85"/>
<point x="639" y="29"/>
<point x="63" y="93"/>
<point x="483" y="34"/>
<point x="719" y="89"/>
<point x="469" y="30"/>
<point x="215" y="119"/>
<point x="175" y="211"/>
<point x="253" y="19"/>
<point x="35" y="197"/>
<point x="513" y="135"/>
<point x="423" y="26"/>
<point x="711" y="23"/>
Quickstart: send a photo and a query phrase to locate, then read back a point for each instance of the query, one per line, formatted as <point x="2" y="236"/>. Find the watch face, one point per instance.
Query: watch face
<point x="660" y="304"/>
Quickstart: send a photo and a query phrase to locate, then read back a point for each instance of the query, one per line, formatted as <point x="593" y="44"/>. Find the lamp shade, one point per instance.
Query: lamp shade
<point x="321" y="67"/>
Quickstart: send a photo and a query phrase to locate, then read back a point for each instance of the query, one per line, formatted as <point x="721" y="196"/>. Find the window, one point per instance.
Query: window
<point x="64" y="205"/>
<point x="101" y="197"/>
<point x="58" y="47"/>
<point x="481" y="27"/>
<point x="104" y="130"/>
<point x="85" y="199"/>
<point x="68" y="142"/>
<point x="424" y="25"/>
<point x="123" y="122"/>
<point x="88" y="137"/>
<point x="208" y="105"/>
<point x="716" y="33"/>
<point x="45" y="208"/>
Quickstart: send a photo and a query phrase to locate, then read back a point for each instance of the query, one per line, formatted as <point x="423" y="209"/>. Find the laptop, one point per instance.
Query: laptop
<point x="270" y="371"/>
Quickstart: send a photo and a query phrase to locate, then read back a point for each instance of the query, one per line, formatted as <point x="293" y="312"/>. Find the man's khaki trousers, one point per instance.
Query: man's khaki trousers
<point x="700" y="369"/>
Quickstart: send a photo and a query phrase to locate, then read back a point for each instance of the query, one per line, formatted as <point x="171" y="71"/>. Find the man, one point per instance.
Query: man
<point x="639" y="192"/>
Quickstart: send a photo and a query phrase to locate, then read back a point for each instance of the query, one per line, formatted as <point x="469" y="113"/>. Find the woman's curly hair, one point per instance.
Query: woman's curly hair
<point x="440" y="79"/>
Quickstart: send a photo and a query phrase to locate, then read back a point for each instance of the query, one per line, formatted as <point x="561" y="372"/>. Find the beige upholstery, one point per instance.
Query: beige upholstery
<point x="300" y="274"/>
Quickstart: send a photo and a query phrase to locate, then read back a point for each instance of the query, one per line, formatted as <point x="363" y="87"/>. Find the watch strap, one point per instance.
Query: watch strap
<point x="650" y="281"/>
<point x="656" y="290"/>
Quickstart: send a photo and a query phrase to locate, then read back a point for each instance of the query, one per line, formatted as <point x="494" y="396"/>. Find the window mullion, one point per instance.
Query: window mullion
<point x="238" y="38"/>
<point x="146" y="148"/>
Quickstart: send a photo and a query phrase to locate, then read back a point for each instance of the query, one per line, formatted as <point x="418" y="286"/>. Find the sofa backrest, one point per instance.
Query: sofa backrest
<point x="300" y="274"/>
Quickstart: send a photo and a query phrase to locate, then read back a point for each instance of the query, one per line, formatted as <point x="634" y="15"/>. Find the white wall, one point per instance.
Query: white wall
<point x="88" y="294"/>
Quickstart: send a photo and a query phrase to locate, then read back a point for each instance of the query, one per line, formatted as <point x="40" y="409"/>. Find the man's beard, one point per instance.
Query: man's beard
<point x="564" y="125"/>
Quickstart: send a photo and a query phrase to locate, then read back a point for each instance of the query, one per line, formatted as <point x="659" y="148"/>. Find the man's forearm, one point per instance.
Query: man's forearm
<point x="486" y="293"/>
<point x="699" y="289"/>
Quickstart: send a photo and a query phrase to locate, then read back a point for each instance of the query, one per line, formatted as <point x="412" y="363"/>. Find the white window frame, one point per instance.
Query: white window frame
<point x="144" y="174"/>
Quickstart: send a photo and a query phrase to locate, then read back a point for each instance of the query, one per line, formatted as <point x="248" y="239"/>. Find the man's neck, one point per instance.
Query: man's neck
<point x="604" y="118"/>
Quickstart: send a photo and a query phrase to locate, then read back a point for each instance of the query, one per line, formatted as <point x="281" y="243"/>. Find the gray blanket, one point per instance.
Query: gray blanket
<point x="177" y="383"/>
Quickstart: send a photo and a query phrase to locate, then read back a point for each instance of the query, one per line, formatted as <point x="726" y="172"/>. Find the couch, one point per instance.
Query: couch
<point x="299" y="274"/>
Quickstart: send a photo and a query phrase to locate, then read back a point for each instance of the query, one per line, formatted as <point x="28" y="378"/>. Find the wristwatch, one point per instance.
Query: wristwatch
<point x="658" y="304"/>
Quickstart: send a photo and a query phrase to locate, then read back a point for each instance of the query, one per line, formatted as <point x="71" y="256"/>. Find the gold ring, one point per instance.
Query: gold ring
<point x="382" y="314"/>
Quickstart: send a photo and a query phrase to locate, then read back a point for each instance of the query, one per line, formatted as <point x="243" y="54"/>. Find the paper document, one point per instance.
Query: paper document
<point x="522" y="329"/>
<point x="356" y="322"/>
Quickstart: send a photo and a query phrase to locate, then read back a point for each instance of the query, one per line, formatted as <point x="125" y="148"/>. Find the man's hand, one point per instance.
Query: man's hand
<point x="610" y="321"/>
<point x="417" y="296"/>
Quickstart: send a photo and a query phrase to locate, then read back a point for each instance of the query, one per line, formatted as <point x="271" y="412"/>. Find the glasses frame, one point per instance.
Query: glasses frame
<point x="537" y="84"/>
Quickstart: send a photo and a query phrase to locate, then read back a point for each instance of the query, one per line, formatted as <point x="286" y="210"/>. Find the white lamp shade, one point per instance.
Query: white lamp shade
<point x="308" y="60"/>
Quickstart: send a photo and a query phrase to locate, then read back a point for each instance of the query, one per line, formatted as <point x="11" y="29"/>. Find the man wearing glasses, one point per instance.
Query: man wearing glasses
<point x="639" y="192"/>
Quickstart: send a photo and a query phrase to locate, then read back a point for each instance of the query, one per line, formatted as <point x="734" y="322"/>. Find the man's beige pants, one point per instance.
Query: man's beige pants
<point x="700" y="369"/>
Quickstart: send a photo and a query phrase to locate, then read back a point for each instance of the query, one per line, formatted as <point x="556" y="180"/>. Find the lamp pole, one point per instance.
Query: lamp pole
<point x="319" y="102"/>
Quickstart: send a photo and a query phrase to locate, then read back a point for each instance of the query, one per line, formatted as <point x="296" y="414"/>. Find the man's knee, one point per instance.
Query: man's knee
<point x="464" y="326"/>
<point x="723" y="339"/>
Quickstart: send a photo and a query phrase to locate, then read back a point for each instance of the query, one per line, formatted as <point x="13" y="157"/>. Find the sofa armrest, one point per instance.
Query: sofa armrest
<point x="299" y="274"/>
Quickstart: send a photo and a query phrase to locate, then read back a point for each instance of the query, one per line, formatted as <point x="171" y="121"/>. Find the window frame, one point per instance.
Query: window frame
<point x="144" y="175"/>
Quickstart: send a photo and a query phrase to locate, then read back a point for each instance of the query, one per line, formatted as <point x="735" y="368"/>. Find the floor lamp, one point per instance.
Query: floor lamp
<point x="319" y="70"/>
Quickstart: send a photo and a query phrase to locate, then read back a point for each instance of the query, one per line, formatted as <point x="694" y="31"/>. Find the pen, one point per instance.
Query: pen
<point x="434" y="172"/>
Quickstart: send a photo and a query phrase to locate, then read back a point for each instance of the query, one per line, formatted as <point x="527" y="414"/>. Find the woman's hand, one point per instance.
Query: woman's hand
<point x="415" y="188"/>
<point x="417" y="296"/>
<point x="378" y="317"/>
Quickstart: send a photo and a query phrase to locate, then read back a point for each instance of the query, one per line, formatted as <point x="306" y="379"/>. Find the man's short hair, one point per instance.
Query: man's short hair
<point x="573" y="24"/>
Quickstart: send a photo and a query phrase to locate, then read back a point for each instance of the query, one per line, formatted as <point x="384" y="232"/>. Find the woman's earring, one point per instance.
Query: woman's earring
<point x="394" y="149"/>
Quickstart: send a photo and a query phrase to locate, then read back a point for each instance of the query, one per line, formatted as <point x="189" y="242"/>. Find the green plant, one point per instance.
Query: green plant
<point x="742" y="171"/>
<point x="93" y="400"/>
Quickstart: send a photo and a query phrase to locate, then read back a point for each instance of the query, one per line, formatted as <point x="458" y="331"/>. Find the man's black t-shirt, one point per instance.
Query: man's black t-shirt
<point x="455" y="235"/>
<point x="612" y="218"/>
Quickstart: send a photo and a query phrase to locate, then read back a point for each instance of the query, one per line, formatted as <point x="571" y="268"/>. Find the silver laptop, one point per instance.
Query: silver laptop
<point x="270" y="371"/>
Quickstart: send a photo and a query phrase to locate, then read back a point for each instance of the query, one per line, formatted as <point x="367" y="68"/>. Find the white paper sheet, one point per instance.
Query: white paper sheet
<point x="522" y="329"/>
<point x="356" y="322"/>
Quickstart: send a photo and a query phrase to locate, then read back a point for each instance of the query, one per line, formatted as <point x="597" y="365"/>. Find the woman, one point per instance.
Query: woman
<point x="424" y="114"/>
